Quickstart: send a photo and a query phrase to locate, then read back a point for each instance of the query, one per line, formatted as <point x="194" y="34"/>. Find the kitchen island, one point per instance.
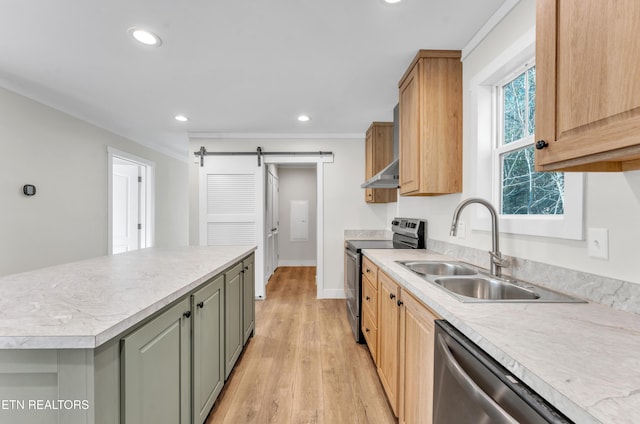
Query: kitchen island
<point x="581" y="357"/>
<point x="64" y="329"/>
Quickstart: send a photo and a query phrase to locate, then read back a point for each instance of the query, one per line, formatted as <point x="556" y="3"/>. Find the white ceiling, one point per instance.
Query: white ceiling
<point x="235" y="67"/>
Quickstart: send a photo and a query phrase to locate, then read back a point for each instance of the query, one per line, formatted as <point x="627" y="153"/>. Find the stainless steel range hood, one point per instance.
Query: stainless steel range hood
<point x="389" y="177"/>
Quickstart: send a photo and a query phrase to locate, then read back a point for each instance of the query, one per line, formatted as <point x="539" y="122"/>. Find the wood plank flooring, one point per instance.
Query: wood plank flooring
<point x="302" y="365"/>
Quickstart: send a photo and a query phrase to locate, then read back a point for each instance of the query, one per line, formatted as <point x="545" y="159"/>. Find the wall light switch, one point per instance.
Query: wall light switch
<point x="598" y="242"/>
<point x="462" y="230"/>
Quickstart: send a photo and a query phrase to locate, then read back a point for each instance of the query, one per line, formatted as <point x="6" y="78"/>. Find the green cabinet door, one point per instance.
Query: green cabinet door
<point x="248" y="298"/>
<point x="232" y="317"/>
<point x="156" y="369"/>
<point x="208" y="347"/>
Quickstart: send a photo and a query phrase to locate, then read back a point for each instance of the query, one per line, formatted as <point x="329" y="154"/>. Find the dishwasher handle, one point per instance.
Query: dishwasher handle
<point x="495" y="411"/>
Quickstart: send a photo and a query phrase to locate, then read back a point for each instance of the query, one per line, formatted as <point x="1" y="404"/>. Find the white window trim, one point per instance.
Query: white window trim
<point x="482" y="85"/>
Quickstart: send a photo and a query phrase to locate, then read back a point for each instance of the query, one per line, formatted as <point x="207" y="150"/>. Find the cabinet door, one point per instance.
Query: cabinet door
<point x="248" y="298"/>
<point x="416" y="362"/>
<point x="208" y="347"/>
<point x="409" y="107"/>
<point x="368" y="164"/>
<point x="232" y="317"/>
<point x="587" y="85"/>
<point x="156" y="370"/>
<point x="388" y="338"/>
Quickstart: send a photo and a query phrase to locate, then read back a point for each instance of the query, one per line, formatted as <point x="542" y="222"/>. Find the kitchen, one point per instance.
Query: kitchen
<point x="70" y="175"/>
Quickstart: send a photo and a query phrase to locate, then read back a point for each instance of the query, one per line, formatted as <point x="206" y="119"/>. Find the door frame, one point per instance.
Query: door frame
<point x="319" y="162"/>
<point x="149" y="184"/>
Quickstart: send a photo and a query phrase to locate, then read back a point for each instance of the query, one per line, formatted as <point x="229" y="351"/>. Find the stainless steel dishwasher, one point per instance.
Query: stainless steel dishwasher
<point x="470" y="387"/>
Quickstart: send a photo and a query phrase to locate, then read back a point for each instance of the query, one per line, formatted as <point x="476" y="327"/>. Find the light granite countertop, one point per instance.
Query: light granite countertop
<point x="584" y="358"/>
<point x="83" y="304"/>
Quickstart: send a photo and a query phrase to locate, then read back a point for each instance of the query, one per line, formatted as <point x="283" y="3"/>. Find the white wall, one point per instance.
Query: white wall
<point x="297" y="184"/>
<point x="344" y="206"/>
<point x="66" y="159"/>
<point x="612" y="201"/>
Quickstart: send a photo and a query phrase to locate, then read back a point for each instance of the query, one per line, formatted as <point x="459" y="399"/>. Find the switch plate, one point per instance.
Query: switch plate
<point x="462" y="230"/>
<point x="598" y="242"/>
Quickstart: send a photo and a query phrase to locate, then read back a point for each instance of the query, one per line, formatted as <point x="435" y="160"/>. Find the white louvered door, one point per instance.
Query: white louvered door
<point x="231" y="211"/>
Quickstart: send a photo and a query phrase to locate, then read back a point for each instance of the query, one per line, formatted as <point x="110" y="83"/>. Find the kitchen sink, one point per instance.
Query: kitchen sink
<point x="486" y="289"/>
<point x="469" y="283"/>
<point x="438" y="268"/>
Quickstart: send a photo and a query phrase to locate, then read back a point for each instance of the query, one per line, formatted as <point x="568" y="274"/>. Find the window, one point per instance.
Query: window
<point x="502" y="99"/>
<point x="522" y="190"/>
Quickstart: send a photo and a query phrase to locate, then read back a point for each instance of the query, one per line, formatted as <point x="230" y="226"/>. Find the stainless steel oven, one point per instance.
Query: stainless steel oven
<point x="471" y="387"/>
<point x="408" y="233"/>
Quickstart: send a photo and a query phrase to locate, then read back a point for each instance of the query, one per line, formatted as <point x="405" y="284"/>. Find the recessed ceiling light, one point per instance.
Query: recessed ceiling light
<point x="303" y="118"/>
<point x="392" y="1"/>
<point x="181" y="118"/>
<point x="145" y="37"/>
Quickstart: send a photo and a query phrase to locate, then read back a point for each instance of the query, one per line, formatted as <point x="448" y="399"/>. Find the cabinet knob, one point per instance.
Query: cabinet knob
<point x="367" y="298"/>
<point x="400" y="303"/>
<point x="392" y="296"/>
<point x="187" y="314"/>
<point x="366" y="330"/>
<point x="200" y="305"/>
<point x="541" y="144"/>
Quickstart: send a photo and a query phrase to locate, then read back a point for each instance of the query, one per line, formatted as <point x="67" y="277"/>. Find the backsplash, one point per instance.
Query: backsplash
<point x="367" y="235"/>
<point x="617" y="294"/>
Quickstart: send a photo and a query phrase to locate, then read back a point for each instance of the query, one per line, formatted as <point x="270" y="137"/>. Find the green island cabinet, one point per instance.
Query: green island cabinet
<point x="167" y="369"/>
<point x="163" y="365"/>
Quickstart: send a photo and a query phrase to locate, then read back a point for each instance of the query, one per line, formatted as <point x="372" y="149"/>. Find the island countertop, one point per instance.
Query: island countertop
<point x="81" y="305"/>
<point x="581" y="357"/>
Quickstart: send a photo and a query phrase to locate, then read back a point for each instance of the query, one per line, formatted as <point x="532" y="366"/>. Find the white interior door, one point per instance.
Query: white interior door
<point x="231" y="206"/>
<point x="126" y="212"/>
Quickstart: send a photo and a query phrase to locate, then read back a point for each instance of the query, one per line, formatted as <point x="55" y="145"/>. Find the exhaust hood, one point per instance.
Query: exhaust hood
<point x="389" y="177"/>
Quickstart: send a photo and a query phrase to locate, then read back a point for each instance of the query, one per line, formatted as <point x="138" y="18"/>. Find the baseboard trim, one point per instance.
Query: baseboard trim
<point x="333" y="294"/>
<point x="307" y="262"/>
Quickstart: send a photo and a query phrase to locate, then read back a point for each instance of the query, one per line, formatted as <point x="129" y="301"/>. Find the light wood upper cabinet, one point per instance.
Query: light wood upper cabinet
<point x="587" y="85"/>
<point x="378" y="154"/>
<point x="431" y="124"/>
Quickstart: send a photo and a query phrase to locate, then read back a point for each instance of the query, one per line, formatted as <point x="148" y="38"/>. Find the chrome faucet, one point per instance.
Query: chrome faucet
<point x="497" y="263"/>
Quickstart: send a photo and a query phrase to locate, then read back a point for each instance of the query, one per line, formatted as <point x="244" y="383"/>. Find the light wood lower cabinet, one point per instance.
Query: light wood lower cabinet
<point x="370" y="306"/>
<point x="388" y="338"/>
<point x="156" y="369"/>
<point x="404" y="349"/>
<point x="416" y="362"/>
<point x="208" y="347"/>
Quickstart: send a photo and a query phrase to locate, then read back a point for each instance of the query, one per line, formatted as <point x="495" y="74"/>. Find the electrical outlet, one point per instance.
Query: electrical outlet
<point x="598" y="243"/>
<point x="462" y="230"/>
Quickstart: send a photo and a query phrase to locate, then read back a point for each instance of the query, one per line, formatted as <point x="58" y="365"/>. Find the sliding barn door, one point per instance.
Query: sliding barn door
<point x="231" y="206"/>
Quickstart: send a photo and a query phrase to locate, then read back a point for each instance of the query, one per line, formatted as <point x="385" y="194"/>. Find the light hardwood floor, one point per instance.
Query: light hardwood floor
<point x="302" y="365"/>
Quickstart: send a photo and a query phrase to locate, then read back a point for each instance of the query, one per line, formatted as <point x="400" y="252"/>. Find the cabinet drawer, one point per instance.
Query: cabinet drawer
<point x="369" y="270"/>
<point x="370" y="298"/>
<point x="370" y="332"/>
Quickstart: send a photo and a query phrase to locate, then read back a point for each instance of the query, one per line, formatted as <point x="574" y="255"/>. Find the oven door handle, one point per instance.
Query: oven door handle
<point x="493" y="410"/>
<point x="352" y="255"/>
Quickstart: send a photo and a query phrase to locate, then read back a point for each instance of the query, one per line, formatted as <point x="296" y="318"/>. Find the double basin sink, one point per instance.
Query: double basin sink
<point x="469" y="283"/>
